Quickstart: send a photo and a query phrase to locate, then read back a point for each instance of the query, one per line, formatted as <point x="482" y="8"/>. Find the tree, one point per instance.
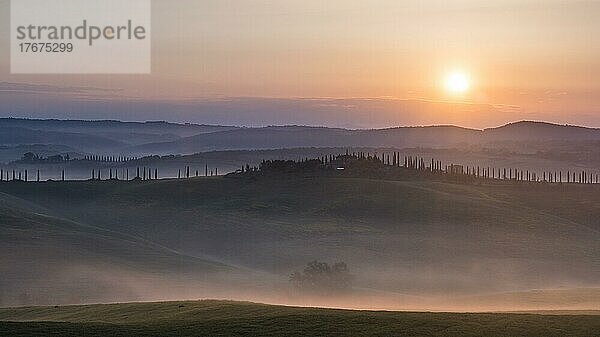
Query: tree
<point x="28" y="157"/>
<point x="323" y="279"/>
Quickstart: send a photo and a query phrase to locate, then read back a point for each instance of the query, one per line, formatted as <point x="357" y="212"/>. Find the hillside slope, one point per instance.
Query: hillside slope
<point x="275" y="137"/>
<point x="47" y="259"/>
<point x="540" y="131"/>
<point x="399" y="238"/>
<point x="91" y="136"/>
<point x="150" y="138"/>
<point x="221" y="318"/>
<point x="400" y="137"/>
<point x="23" y="136"/>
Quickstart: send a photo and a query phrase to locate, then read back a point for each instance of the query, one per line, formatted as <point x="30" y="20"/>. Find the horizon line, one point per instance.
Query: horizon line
<point x="299" y="125"/>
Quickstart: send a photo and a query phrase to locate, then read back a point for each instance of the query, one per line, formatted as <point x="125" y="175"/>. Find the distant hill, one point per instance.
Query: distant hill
<point x="301" y="136"/>
<point x="162" y="138"/>
<point x="540" y="131"/>
<point x="11" y="152"/>
<point x="107" y="137"/>
<point x="401" y="137"/>
<point x="22" y="136"/>
<point x="112" y="126"/>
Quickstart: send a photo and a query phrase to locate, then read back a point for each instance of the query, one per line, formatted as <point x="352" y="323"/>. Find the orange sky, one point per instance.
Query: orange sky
<point x="527" y="59"/>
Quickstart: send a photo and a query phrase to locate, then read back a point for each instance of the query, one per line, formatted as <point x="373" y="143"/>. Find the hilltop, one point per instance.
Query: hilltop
<point x="144" y="138"/>
<point x="225" y="318"/>
<point x="399" y="137"/>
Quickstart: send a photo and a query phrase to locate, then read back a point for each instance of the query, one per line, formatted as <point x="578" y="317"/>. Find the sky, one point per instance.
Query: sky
<point x="342" y="63"/>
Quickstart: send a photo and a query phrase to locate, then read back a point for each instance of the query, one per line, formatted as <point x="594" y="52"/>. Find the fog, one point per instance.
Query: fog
<point x="87" y="285"/>
<point x="407" y="245"/>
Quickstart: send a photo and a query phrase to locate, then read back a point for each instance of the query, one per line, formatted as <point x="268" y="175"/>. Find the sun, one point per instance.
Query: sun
<point x="457" y="83"/>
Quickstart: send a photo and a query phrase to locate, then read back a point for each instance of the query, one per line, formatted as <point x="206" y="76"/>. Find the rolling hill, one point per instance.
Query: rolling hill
<point x="108" y="137"/>
<point x="112" y="127"/>
<point x="302" y="136"/>
<point x="12" y="152"/>
<point x="401" y="137"/>
<point x="151" y="138"/>
<point x="48" y="259"/>
<point x="23" y="136"/>
<point x="540" y="131"/>
<point x="408" y="243"/>
<point x="225" y="318"/>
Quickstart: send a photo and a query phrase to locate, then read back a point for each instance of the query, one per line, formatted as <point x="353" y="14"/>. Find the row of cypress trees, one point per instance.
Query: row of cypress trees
<point x="22" y="175"/>
<point x="394" y="159"/>
<point x="143" y="173"/>
<point x="418" y="163"/>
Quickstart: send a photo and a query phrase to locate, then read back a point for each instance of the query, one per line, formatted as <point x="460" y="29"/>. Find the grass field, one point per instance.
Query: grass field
<point x="223" y="318"/>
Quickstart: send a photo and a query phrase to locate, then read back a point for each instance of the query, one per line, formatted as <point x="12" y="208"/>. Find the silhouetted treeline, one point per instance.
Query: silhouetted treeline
<point x="108" y="159"/>
<point x="396" y="166"/>
<point x="290" y="166"/>
<point x="32" y="158"/>
<point x="389" y="165"/>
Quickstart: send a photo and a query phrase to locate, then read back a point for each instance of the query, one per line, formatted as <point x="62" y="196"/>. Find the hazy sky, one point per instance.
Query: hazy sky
<point x="340" y="63"/>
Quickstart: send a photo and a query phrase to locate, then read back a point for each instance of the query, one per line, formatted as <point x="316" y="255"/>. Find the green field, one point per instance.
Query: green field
<point x="223" y="318"/>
